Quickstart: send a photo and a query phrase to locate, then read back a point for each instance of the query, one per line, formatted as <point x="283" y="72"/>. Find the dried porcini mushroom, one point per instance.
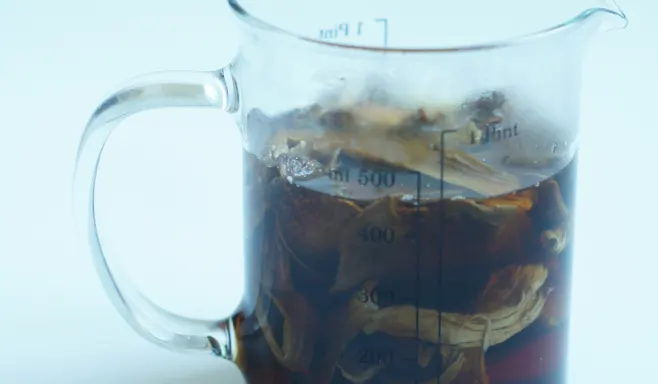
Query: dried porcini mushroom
<point x="310" y="222"/>
<point x="275" y="264"/>
<point x="362" y="258"/>
<point x="459" y="168"/>
<point x="550" y="207"/>
<point x="504" y="231"/>
<point x="438" y="126"/>
<point x="472" y="368"/>
<point x="486" y="107"/>
<point x="288" y="323"/>
<point x="467" y="331"/>
<point x="554" y="241"/>
<point x="343" y="324"/>
<point x="372" y="115"/>
<point x="421" y="152"/>
<point x="362" y="376"/>
<point x="515" y="241"/>
<point x="454" y="368"/>
<point x="425" y="354"/>
<point x="555" y="310"/>
<point x="509" y="286"/>
<point x="495" y="211"/>
<point x="287" y="319"/>
<point x="553" y="214"/>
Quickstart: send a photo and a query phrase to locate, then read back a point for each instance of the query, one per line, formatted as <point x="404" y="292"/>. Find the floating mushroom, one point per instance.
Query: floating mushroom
<point x="485" y="108"/>
<point x="422" y="154"/>
<point x="449" y="164"/>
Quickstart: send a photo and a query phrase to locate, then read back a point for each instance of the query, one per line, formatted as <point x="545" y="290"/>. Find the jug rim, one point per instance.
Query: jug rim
<point x="571" y="23"/>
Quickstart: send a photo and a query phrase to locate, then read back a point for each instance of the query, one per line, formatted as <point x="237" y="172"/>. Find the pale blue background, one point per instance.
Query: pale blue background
<point x="164" y="194"/>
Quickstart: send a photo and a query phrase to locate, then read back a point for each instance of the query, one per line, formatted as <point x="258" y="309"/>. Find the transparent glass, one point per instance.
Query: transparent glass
<point x="409" y="178"/>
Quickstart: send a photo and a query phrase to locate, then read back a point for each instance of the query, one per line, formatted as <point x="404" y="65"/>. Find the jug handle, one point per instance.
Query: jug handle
<point x="216" y="89"/>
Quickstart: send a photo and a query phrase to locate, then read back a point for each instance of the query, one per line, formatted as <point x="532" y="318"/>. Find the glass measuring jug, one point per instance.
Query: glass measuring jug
<point x="408" y="190"/>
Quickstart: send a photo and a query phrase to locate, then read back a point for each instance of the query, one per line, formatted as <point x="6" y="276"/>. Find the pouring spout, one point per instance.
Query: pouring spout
<point x="614" y="17"/>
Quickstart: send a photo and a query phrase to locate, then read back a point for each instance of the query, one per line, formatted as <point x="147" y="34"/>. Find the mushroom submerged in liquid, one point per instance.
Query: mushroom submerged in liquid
<point x="286" y="317"/>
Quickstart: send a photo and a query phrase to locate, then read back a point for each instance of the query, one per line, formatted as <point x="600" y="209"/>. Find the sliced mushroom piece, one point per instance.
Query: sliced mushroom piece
<point x="524" y="200"/>
<point x="550" y="208"/>
<point x="459" y="168"/>
<point x="377" y="116"/>
<point x="452" y="371"/>
<point x="419" y="154"/>
<point x="287" y="319"/>
<point x="509" y="286"/>
<point x="341" y="327"/>
<point x="552" y="217"/>
<point x="473" y="370"/>
<point x="485" y="106"/>
<point x="467" y="331"/>
<point x="555" y="310"/>
<point x="495" y="211"/>
<point x="276" y="273"/>
<point x="515" y="242"/>
<point x="311" y="223"/>
<point x="555" y="241"/>
<point x="445" y="133"/>
<point x="362" y="376"/>
<point x="425" y="354"/>
<point x="363" y="258"/>
<point x="288" y="323"/>
<point x="375" y="245"/>
<point x="471" y="234"/>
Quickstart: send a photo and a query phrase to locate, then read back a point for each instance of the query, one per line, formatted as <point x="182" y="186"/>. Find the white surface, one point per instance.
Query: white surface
<point x="59" y="58"/>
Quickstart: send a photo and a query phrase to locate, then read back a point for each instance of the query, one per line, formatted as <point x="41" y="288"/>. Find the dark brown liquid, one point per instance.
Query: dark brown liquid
<point x="395" y="246"/>
<point x="346" y="291"/>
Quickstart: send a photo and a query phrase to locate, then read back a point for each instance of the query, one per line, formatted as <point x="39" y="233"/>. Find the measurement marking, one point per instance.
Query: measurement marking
<point x="441" y="243"/>
<point x="385" y="22"/>
<point x="418" y="250"/>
